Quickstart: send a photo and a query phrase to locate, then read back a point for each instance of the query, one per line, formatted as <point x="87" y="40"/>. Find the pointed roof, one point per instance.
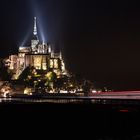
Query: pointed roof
<point x="35" y="36"/>
<point x="35" y="27"/>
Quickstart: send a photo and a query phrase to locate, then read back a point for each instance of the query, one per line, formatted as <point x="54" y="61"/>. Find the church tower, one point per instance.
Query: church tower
<point x="35" y="40"/>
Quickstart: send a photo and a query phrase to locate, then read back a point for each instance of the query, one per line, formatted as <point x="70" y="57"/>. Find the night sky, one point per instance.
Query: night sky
<point x="100" y="39"/>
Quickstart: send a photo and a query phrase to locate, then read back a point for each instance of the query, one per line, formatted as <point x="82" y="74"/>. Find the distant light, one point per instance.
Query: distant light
<point x="28" y="91"/>
<point x="63" y="91"/>
<point x="124" y="110"/>
<point x="94" y="91"/>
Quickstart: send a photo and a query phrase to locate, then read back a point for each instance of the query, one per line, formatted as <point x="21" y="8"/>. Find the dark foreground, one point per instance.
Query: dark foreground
<point x="100" y="120"/>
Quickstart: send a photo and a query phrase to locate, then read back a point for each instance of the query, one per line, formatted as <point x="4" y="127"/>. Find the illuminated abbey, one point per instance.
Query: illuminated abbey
<point x="39" y="55"/>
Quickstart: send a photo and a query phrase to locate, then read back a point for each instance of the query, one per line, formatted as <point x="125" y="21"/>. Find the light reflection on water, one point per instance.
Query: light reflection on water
<point x="23" y="100"/>
<point x="71" y="100"/>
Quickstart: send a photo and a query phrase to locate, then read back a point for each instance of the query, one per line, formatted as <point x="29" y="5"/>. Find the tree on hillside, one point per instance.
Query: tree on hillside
<point x="5" y="75"/>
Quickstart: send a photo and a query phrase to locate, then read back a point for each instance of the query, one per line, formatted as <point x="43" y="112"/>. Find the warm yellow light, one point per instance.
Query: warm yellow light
<point x="28" y="91"/>
<point x="37" y="62"/>
<point x="56" y="63"/>
<point x="51" y="63"/>
<point x="71" y="85"/>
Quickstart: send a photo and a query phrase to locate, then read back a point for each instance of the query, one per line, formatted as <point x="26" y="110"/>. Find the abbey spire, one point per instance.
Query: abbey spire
<point x="35" y="27"/>
<point x="35" y="40"/>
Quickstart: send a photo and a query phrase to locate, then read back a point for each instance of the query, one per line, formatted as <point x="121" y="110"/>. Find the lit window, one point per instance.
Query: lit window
<point x="56" y="63"/>
<point x="44" y="66"/>
<point x="51" y="63"/>
<point x="37" y="62"/>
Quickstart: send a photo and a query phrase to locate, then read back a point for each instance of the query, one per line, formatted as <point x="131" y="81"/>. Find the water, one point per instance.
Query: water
<point x="70" y="100"/>
<point x="93" y="113"/>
